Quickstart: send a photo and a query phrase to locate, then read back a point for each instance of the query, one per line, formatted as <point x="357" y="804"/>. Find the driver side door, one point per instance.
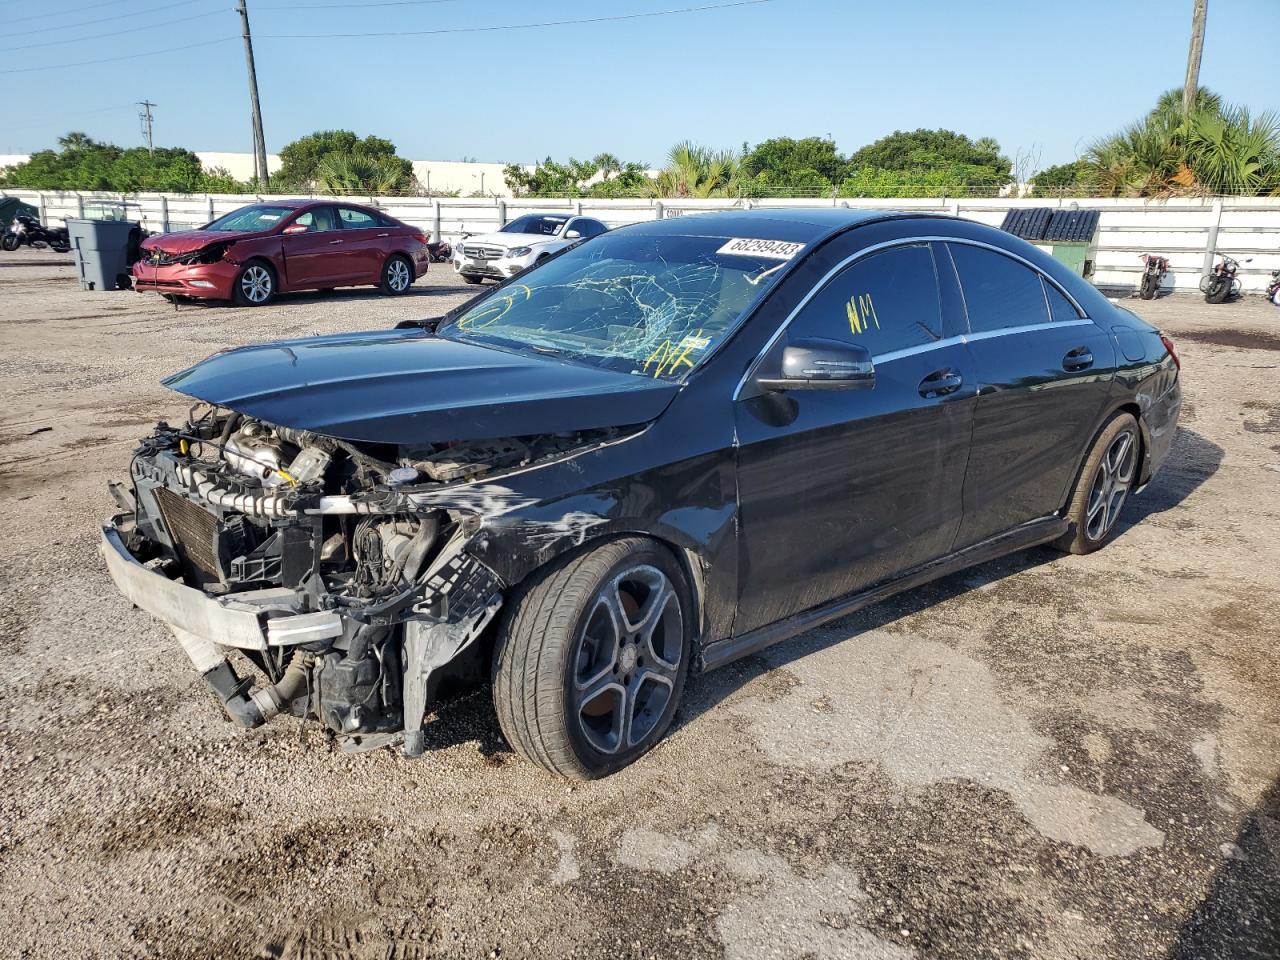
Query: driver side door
<point x="842" y="489"/>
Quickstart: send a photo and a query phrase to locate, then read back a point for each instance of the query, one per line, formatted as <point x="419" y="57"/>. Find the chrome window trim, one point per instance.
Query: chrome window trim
<point x="947" y="341"/>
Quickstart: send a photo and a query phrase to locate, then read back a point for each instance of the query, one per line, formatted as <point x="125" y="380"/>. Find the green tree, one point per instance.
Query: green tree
<point x="696" y="171"/>
<point x="372" y="167"/>
<point x="915" y="149"/>
<point x="806" y="165"/>
<point x="1216" y="148"/>
<point x="602" y="176"/>
<point x="82" y="163"/>
<point x="1063" y="179"/>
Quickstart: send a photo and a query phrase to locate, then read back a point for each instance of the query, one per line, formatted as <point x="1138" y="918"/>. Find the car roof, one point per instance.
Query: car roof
<point x="795" y="225"/>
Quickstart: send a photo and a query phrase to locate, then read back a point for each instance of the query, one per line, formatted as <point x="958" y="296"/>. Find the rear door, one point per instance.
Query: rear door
<point x="1044" y="372"/>
<point x="364" y="242"/>
<point x="841" y="489"/>
<point x="312" y="258"/>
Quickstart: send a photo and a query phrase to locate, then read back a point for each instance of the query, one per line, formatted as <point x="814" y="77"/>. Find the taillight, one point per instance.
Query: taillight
<point x="420" y="237"/>
<point x="1168" y="345"/>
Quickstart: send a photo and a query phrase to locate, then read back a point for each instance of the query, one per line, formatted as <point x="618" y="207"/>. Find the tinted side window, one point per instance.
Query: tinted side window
<point x="999" y="292"/>
<point x="1060" y="307"/>
<point x="589" y="228"/>
<point x="887" y="301"/>
<point x="355" y="219"/>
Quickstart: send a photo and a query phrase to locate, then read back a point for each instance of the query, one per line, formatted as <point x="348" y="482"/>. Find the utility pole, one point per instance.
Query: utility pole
<point x="146" y="119"/>
<point x="259" y="142"/>
<point x="1193" y="56"/>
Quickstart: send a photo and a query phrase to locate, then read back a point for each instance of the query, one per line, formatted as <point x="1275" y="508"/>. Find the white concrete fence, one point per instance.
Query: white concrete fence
<point x="1187" y="231"/>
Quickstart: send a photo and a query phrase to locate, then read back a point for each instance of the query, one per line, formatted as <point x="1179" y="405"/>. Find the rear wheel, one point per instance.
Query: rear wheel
<point x="1150" y="284"/>
<point x="1218" y="291"/>
<point x="255" y="285"/>
<point x="11" y="242"/>
<point x="1105" y="480"/>
<point x="590" y="667"/>
<point x="397" y="276"/>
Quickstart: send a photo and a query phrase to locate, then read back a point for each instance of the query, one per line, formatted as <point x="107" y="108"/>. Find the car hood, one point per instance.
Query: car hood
<point x="188" y="240"/>
<point x="411" y="387"/>
<point x="511" y="239"/>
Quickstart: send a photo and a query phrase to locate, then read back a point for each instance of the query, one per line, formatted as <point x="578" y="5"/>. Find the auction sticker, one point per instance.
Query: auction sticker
<point x="748" y="247"/>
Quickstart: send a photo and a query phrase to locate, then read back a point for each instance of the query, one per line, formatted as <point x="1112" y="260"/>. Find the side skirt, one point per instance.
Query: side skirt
<point x="1011" y="541"/>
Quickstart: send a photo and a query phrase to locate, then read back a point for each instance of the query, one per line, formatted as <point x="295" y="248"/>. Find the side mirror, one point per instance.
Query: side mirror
<point x="295" y="228"/>
<point x="572" y="235"/>
<point x="823" y="365"/>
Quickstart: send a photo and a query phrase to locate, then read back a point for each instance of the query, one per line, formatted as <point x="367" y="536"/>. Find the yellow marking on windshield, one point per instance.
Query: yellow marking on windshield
<point x="494" y="311"/>
<point x="862" y="313"/>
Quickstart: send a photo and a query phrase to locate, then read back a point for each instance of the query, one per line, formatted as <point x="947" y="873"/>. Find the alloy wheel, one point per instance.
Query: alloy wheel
<point x="627" y="659"/>
<point x="398" y="275"/>
<point x="1111" y="485"/>
<point x="256" y="284"/>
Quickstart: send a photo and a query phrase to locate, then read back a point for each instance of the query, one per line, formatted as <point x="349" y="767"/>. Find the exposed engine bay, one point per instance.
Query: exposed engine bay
<point x="333" y="566"/>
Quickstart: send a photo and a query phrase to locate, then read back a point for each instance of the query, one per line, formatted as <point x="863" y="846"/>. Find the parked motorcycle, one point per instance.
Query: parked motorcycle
<point x="440" y="252"/>
<point x="1154" y="269"/>
<point x="1273" y="288"/>
<point x="27" y="229"/>
<point x="1222" y="284"/>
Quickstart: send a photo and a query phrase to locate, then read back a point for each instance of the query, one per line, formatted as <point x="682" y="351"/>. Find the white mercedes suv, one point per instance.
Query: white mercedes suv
<point x="520" y="244"/>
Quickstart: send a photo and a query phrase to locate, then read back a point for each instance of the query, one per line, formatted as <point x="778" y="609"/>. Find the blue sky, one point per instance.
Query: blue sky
<point x="1042" y="78"/>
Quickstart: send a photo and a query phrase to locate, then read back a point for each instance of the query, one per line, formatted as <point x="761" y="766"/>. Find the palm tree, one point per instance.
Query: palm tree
<point x="358" y="174"/>
<point x="1216" y="148"/>
<point x="698" y="172"/>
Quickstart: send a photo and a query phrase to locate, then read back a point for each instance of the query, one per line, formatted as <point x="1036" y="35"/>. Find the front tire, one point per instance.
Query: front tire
<point x="590" y="667"/>
<point x="1100" y="493"/>
<point x="11" y="242"/>
<point x="255" y="285"/>
<point x="397" y="276"/>
<point x="1219" y="290"/>
<point x="1150" y="284"/>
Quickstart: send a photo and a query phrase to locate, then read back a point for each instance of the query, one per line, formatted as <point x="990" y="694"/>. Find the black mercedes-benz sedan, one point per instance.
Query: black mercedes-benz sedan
<point x="662" y="449"/>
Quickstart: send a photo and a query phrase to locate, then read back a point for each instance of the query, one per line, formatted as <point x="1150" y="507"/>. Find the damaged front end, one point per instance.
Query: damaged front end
<point x="336" y="568"/>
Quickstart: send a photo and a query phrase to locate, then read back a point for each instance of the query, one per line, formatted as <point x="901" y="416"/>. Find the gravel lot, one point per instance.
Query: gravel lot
<point x="1046" y="756"/>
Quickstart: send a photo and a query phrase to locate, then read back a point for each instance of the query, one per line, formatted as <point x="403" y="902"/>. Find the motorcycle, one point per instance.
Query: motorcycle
<point x="1222" y="284"/>
<point x="1154" y="269"/>
<point x="27" y="229"/>
<point x="1273" y="288"/>
<point x="440" y="252"/>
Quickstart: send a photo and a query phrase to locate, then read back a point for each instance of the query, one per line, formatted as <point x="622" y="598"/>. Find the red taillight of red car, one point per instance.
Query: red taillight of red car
<point x="420" y="237"/>
<point x="1168" y="345"/>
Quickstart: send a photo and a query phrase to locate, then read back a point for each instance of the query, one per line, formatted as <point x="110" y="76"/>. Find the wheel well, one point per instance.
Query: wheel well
<point x="271" y="268"/>
<point x="1131" y="408"/>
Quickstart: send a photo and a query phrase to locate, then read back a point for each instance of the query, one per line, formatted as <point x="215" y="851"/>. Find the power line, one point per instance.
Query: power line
<point x="63" y="13"/>
<point x="129" y="56"/>
<point x="119" y="16"/>
<point x="361" y="6"/>
<point x="115" y="33"/>
<point x="517" y="26"/>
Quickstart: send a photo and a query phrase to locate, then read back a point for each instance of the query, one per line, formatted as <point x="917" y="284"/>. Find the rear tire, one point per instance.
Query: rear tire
<point x="397" y="276"/>
<point x="255" y="285"/>
<point x="589" y="668"/>
<point x="1150" y="284"/>
<point x="1219" y="290"/>
<point x="1108" y="475"/>
<point x="11" y="242"/>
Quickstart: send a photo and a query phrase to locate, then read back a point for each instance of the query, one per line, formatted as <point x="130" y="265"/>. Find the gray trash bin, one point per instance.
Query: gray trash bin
<point x="102" y="252"/>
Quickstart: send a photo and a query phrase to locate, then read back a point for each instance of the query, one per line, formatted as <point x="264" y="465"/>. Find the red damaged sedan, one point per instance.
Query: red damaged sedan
<point x="251" y="254"/>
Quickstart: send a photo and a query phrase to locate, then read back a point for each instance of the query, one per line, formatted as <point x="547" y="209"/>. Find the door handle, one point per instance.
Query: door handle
<point x="332" y="242"/>
<point x="940" y="383"/>
<point x="1081" y="358"/>
<point x="381" y="235"/>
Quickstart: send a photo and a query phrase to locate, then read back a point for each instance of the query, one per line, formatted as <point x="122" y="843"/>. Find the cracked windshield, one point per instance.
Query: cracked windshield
<point x="651" y="306"/>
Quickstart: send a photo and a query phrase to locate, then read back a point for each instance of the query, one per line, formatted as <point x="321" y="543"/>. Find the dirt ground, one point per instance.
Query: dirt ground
<point x="1046" y="756"/>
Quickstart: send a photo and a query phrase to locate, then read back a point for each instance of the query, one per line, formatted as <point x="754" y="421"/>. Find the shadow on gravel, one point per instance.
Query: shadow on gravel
<point x="1192" y="461"/>
<point x="1239" y="918"/>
